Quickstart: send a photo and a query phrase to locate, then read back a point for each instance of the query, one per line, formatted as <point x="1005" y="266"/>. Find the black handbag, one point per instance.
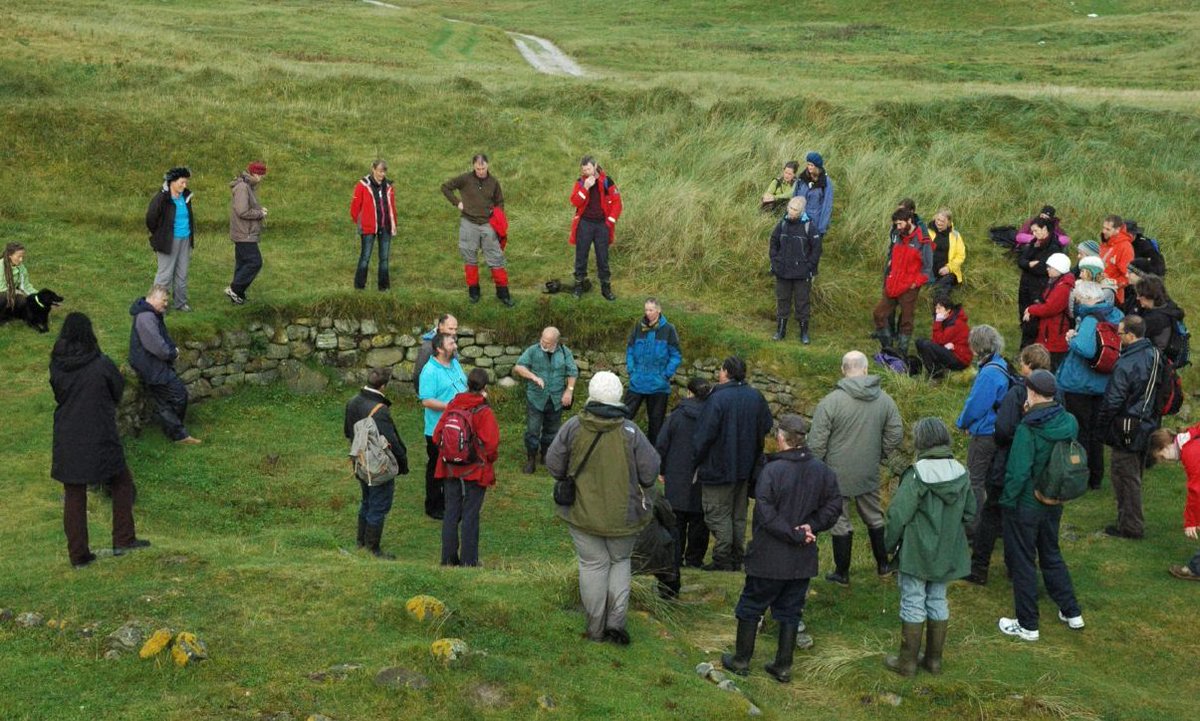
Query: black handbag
<point x="564" y="489"/>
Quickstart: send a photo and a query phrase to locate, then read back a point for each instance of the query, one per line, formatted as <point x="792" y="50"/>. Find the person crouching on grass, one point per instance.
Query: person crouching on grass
<point x="796" y="498"/>
<point x="1167" y="445"/>
<point x="464" y="487"/>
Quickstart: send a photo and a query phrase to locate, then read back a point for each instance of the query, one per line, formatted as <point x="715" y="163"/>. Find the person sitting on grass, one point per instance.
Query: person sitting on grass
<point x="464" y="487"/>
<point x="949" y="251"/>
<point x="1168" y="445"/>
<point x="17" y="288"/>
<point x="948" y="348"/>
<point x="779" y="191"/>
<point x="927" y="512"/>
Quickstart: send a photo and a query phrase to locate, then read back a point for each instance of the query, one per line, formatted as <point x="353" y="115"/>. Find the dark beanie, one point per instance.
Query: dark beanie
<point x="176" y="173"/>
<point x="1048" y="210"/>
<point x="1042" y="382"/>
<point x="815" y="158"/>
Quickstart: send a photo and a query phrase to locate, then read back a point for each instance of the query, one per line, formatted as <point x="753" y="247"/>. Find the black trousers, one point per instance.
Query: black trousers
<point x="460" y="527"/>
<point x="171" y="401"/>
<point x="1030" y="543"/>
<point x="1086" y="408"/>
<point x="588" y="234"/>
<point x="691" y="538"/>
<point x="435" y="496"/>
<point x="937" y="359"/>
<point x="247" y="261"/>
<point x="656" y="410"/>
<point x="785" y="598"/>
<point x="793" y="292"/>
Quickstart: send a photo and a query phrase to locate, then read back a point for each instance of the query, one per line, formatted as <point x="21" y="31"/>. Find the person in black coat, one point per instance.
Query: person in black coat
<point x="171" y="220"/>
<point x="675" y="445"/>
<point x="795" y="258"/>
<point x="87" y="449"/>
<point x="797" y="498"/>
<point x="1161" y="314"/>
<point x="1032" y="263"/>
<point x="376" y="500"/>
<point x="152" y="355"/>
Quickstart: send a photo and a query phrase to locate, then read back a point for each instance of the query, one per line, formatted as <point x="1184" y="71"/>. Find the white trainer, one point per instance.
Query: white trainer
<point x="1012" y="627"/>
<point x="1073" y="622"/>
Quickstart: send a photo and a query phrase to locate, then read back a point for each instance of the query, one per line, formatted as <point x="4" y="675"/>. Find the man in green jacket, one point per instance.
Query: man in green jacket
<point x="1031" y="526"/>
<point x="855" y="428"/>
<point x="550" y="368"/>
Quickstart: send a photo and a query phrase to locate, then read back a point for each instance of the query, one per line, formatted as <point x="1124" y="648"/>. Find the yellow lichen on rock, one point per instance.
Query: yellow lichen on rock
<point x="448" y="650"/>
<point x="154" y="645"/>
<point x="423" y="607"/>
<point x="188" y="648"/>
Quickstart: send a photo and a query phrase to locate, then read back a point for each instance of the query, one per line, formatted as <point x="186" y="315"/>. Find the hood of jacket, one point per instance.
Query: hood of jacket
<point x="690" y="407"/>
<point x="1104" y="311"/>
<point x="800" y="453"/>
<point x="601" y="417"/>
<point x="645" y="326"/>
<point x="466" y="401"/>
<point x="941" y="474"/>
<point x="1171" y="310"/>
<point x="73" y="359"/>
<point x="863" y="388"/>
<point x="1050" y="421"/>
<point x="141" y="306"/>
<point x="242" y="177"/>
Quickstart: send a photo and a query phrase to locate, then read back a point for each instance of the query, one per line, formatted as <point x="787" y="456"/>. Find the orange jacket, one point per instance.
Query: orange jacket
<point x="1117" y="252"/>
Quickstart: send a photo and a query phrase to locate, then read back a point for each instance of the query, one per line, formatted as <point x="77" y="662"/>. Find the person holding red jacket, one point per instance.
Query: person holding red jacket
<point x="1053" y="312"/>
<point x="947" y="349"/>
<point x="465" y="487"/>
<point x="597" y="207"/>
<point x="373" y="210"/>
<point x="1166" y="445"/>
<point x="909" y="266"/>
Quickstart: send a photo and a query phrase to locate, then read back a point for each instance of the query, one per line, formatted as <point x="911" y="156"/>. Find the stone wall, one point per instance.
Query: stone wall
<point x="263" y="353"/>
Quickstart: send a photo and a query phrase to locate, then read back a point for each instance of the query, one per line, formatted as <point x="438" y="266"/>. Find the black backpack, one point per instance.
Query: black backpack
<point x="1179" y="348"/>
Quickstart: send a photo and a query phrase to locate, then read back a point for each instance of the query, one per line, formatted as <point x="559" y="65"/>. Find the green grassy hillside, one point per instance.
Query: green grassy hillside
<point x="692" y="108"/>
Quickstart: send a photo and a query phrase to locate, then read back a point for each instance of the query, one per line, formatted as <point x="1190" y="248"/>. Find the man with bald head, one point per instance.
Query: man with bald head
<point x="855" y="428"/>
<point x="549" y="367"/>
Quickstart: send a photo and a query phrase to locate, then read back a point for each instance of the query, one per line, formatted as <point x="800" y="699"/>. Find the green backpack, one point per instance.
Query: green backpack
<point x="1065" y="476"/>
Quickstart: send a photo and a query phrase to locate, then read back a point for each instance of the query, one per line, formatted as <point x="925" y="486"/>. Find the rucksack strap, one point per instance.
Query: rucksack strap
<point x="586" y="456"/>
<point x="377" y="407"/>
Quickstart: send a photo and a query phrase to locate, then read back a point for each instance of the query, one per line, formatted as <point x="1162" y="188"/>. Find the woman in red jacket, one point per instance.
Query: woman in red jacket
<point x="1166" y="445"/>
<point x="1053" y="313"/>
<point x="947" y="349"/>
<point x="467" y="419"/>
<point x="373" y="210"/>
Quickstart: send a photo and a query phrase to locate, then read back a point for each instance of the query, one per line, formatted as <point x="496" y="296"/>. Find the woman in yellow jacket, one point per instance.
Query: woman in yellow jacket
<point x="949" y="251"/>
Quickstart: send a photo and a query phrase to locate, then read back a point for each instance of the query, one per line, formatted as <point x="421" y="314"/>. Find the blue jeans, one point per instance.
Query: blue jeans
<point x="376" y="502"/>
<point x="921" y="600"/>
<point x="1030" y="541"/>
<point x="785" y="598"/>
<point x="364" y="259"/>
<point x="1194" y="564"/>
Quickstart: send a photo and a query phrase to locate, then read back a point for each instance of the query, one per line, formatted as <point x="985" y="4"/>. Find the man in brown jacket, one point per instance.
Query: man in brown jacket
<point x="482" y="206"/>
<point x="245" y="224"/>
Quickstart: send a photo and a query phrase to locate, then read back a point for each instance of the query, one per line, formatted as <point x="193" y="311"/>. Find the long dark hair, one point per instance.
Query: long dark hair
<point x="10" y="283"/>
<point x="76" y="338"/>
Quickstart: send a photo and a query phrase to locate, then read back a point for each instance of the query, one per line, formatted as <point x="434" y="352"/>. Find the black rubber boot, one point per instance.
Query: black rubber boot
<point x="905" y="663"/>
<point x="473" y="293"/>
<point x="781" y="669"/>
<point x="739" y="661"/>
<point x="882" y="566"/>
<point x="884" y="337"/>
<point x="362" y="533"/>
<point x="780" y="329"/>
<point x="504" y="296"/>
<point x="935" y="640"/>
<point x="372" y="537"/>
<point x="804" y="333"/>
<point x="902" y="346"/>
<point x="577" y="291"/>
<point x="841" y="560"/>
<point x="606" y="291"/>
<point x="530" y="462"/>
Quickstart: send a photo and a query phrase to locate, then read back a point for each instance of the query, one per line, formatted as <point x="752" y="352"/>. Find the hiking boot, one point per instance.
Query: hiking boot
<point x="234" y="297"/>
<point x="780" y="329"/>
<point x="739" y="661"/>
<point x="577" y="290"/>
<point x="84" y="562"/>
<point x="1074" y="623"/>
<point x="935" y="640"/>
<point x="1115" y="532"/>
<point x="781" y="668"/>
<point x="530" y="463"/>
<point x="882" y="566"/>
<point x="841" y="560"/>
<point x="976" y="578"/>
<point x="504" y="296"/>
<point x="905" y="662"/>
<point x="902" y="346"/>
<point x="804" y="333"/>
<point x="618" y="636"/>
<point x="1012" y="627"/>
<point x="473" y="293"/>
<point x="137" y="544"/>
<point x="606" y="291"/>
<point x="372" y="537"/>
<point x="1183" y="573"/>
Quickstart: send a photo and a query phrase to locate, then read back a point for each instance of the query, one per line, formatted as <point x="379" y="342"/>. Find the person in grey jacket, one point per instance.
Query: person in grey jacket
<point x="152" y="356"/>
<point x="855" y="428"/>
<point x="245" y="225"/>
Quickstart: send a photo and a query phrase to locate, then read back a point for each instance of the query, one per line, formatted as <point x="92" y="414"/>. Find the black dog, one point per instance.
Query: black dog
<point x="34" y="310"/>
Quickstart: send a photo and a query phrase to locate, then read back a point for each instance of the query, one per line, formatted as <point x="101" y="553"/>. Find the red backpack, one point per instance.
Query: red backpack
<point x="1108" y="348"/>
<point x="459" y="447"/>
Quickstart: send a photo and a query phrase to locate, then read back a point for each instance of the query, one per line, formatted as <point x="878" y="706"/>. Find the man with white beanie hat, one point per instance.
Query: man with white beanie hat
<point x="612" y="467"/>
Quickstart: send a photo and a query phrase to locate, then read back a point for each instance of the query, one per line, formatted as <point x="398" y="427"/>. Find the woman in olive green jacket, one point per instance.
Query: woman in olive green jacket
<point x="928" y="513"/>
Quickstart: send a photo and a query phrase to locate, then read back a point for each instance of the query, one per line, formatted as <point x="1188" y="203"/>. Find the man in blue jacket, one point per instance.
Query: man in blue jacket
<point x="978" y="417"/>
<point x="651" y="357"/>
<point x="152" y="355"/>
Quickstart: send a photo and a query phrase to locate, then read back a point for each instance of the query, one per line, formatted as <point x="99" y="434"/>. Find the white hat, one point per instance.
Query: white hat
<point x="1060" y="262"/>
<point x="605" y="387"/>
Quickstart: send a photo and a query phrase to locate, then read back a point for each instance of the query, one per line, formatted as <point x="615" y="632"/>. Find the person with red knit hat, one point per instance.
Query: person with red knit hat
<point x="1167" y="445"/>
<point x="482" y="227"/>
<point x="245" y="226"/>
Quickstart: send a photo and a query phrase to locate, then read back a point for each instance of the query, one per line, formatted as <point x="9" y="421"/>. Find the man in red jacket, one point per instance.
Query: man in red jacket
<point x="909" y="265"/>
<point x="373" y="210"/>
<point x="1166" y="445"/>
<point x="597" y="207"/>
<point x="1116" y="250"/>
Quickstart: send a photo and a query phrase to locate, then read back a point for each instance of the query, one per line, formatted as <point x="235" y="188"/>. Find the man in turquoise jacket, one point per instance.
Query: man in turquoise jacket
<point x="651" y="357"/>
<point x="550" y="368"/>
